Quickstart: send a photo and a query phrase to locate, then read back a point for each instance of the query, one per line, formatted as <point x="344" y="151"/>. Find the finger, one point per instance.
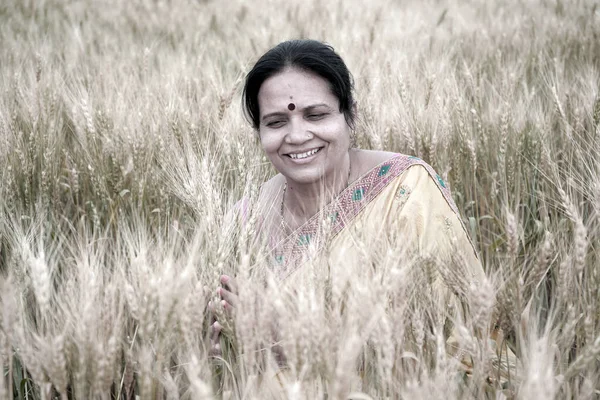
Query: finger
<point x="215" y="333"/>
<point x="227" y="307"/>
<point x="227" y="296"/>
<point x="215" y="350"/>
<point x="212" y="307"/>
<point x="229" y="283"/>
<point x="215" y="339"/>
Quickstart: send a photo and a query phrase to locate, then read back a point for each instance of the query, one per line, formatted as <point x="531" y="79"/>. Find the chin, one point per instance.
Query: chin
<point x="306" y="179"/>
<point x="302" y="176"/>
<point x="312" y="175"/>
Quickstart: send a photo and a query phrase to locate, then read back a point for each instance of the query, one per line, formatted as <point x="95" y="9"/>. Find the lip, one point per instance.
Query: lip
<point x="303" y="160"/>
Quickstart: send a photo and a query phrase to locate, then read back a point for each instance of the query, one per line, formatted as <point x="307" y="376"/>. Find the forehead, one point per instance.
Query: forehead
<point x="293" y="85"/>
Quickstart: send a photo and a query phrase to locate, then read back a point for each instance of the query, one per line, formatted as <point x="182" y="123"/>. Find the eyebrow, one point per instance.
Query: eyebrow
<point x="281" y="113"/>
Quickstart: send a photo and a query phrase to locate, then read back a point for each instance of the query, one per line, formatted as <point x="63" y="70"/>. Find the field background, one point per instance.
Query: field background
<point x="122" y="145"/>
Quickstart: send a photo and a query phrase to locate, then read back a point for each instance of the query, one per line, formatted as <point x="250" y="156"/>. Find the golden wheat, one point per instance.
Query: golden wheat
<point x="123" y="149"/>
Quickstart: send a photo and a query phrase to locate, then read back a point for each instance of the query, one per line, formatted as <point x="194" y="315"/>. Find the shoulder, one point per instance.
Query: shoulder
<point x="271" y="188"/>
<point x="363" y="161"/>
<point x="409" y="170"/>
<point x="366" y="160"/>
<point x="423" y="181"/>
<point x="269" y="197"/>
<point x="268" y="192"/>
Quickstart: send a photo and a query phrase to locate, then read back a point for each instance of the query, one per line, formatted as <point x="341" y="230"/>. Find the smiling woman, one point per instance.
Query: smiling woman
<point x="308" y="145"/>
<point x="299" y="99"/>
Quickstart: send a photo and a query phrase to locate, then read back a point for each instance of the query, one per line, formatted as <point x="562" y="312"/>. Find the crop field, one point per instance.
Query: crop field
<point x="123" y="146"/>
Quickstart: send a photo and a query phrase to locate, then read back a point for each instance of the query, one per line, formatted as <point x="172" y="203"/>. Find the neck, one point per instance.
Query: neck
<point x="304" y="200"/>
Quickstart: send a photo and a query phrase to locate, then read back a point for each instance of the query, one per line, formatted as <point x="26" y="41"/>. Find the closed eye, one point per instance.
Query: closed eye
<point x="316" y="116"/>
<point x="275" y="124"/>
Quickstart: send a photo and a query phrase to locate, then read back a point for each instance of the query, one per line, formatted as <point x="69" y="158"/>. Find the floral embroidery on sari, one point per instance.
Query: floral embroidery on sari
<point x="342" y="211"/>
<point x="403" y="194"/>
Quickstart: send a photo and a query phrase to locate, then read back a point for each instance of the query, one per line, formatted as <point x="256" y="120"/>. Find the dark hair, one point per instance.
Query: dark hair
<point x="308" y="55"/>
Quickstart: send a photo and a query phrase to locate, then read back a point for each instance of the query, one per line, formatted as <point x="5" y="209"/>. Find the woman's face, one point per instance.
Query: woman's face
<point x="302" y="131"/>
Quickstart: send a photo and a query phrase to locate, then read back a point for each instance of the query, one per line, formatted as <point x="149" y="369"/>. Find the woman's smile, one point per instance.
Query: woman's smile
<point x="304" y="157"/>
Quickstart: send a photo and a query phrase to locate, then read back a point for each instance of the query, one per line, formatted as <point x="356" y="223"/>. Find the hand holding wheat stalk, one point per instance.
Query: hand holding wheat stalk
<point x="221" y="310"/>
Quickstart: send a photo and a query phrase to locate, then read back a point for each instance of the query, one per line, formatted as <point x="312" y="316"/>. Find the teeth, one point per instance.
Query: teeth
<point x="304" y="155"/>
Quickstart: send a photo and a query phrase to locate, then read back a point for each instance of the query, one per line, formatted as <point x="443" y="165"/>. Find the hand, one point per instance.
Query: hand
<point x="228" y="295"/>
<point x="228" y="292"/>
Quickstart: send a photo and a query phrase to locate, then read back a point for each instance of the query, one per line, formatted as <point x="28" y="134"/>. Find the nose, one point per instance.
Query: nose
<point x="297" y="132"/>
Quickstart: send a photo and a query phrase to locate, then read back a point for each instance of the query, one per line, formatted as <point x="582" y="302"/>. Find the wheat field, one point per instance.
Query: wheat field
<point x="123" y="146"/>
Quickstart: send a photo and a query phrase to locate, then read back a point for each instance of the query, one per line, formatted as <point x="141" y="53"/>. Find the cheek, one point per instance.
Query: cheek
<point x="338" y="134"/>
<point x="269" y="142"/>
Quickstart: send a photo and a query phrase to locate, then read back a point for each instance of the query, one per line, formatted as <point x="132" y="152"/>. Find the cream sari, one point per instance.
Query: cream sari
<point x="401" y="206"/>
<point x="403" y="193"/>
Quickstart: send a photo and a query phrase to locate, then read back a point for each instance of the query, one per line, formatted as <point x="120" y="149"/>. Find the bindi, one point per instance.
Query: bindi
<point x="291" y="106"/>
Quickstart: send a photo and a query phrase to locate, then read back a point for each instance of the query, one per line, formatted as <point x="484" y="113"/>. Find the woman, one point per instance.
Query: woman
<point x="329" y="196"/>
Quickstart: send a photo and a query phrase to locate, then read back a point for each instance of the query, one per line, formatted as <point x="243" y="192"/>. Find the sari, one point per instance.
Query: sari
<point x="405" y="189"/>
<point x="402" y="204"/>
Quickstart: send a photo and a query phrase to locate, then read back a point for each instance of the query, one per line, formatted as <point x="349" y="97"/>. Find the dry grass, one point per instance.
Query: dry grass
<point x="122" y="145"/>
